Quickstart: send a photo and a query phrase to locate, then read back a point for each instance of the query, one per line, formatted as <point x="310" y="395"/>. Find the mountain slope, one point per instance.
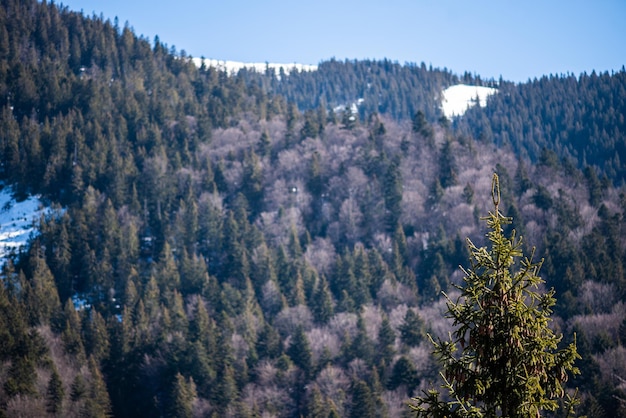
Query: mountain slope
<point x="242" y="251"/>
<point x="578" y="118"/>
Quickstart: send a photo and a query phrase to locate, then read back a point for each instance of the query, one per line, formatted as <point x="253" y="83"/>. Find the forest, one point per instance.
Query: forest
<point x="233" y="245"/>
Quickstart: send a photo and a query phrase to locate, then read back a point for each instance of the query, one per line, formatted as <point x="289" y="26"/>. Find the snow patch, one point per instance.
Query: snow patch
<point x="18" y="221"/>
<point x="80" y="302"/>
<point x="457" y="99"/>
<point x="354" y="107"/>
<point x="232" y="67"/>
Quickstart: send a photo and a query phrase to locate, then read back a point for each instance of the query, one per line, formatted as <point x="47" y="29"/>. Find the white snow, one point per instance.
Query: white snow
<point x="17" y="221"/>
<point x="457" y="99"/>
<point x="232" y="67"/>
<point x="80" y="302"/>
<point x="354" y="107"/>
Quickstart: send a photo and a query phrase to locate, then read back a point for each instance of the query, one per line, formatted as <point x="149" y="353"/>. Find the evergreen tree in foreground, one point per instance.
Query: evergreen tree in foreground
<point x="509" y="364"/>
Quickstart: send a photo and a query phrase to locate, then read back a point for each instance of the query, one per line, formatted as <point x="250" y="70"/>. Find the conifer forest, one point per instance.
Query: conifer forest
<point x="252" y="244"/>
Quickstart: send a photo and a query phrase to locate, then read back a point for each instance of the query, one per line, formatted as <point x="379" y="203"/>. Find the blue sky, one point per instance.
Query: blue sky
<point x="517" y="40"/>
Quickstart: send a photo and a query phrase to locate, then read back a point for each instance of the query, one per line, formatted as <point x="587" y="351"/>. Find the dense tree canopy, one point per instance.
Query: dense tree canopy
<point x="228" y="245"/>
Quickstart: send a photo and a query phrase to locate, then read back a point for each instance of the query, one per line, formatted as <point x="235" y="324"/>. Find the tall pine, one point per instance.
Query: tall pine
<point x="509" y="364"/>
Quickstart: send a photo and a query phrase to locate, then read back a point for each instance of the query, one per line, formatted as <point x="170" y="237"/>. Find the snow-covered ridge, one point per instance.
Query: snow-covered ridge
<point x="18" y="221"/>
<point x="457" y="99"/>
<point x="234" y="66"/>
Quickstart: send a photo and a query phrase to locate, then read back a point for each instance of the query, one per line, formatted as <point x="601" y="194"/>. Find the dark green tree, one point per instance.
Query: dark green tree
<point x="322" y="303"/>
<point x="316" y="407"/>
<point x="404" y="374"/>
<point x="421" y="125"/>
<point x="447" y="166"/>
<point x="70" y="335"/>
<point x="269" y="344"/>
<point x="226" y="389"/>
<point x="392" y="189"/>
<point x="362" y="345"/>
<point x="363" y="405"/>
<point x="311" y="126"/>
<point x="299" y="351"/>
<point x="264" y="146"/>
<point x="349" y="119"/>
<point x="97" y="402"/>
<point x="78" y="389"/>
<point x="386" y="342"/>
<point x="509" y="364"/>
<point x="413" y="329"/>
<point x="55" y="393"/>
<point x="43" y="299"/>
<point x="182" y="396"/>
<point x="252" y="182"/>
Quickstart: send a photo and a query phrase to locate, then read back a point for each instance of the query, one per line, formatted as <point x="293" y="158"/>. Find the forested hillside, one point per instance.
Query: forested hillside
<point x="581" y="119"/>
<point x="387" y="87"/>
<point x="228" y="245"/>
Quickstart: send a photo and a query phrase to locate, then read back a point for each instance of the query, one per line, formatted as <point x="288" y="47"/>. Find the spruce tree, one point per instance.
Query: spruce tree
<point x="386" y="343"/>
<point x="183" y="393"/>
<point x="55" y="393"/>
<point x="315" y="403"/>
<point x="300" y="351"/>
<point x="362" y="401"/>
<point x="97" y="402"/>
<point x="509" y="364"/>
<point x="413" y="329"/>
<point x="362" y="345"/>
<point x="322" y="303"/>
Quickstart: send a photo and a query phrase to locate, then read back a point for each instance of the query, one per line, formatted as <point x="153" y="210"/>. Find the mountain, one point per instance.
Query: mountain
<point x="233" y="67"/>
<point x="578" y="118"/>
<point x="455" y="100"/>
<point x="244" y="244"/>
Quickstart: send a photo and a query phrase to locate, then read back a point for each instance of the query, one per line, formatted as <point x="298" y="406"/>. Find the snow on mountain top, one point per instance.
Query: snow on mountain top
<point x="235" y="66"/>
<point x="17" y="221"/>
<point x="457" y="99"/>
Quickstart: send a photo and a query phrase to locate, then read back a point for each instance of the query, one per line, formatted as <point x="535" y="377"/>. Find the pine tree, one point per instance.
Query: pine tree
<point x="264" y="146"/>
<point x="322" y="304"/>
<point x="55" y="393"/>
<point x="380" y="407"/>
<point x="43" y="301"/>
<point x="421" y="125"/>
<point x="300" y="351"/>
<point x="362" y="345"/>
<point x="226" y="390"/>
<point x="167" y="275"/>
<point x="404" y="374"/>
<point x="202" y="327"/>
<point x="78" y="388"/>
<point x="269" y="344"/>
<point x="348" y="119"/>
<point x="509" y="364"/>
<point x="386" y="342"/>
<point x="71" y="332"/>
<point x="392" y="193"/>
<point x="362" y="275"/>
<point x="97" y="402"/>
<point x="252" y="182"/>
<point x="413" y="329"/>
<point x="362" y="401"/>
<point x="315" y="404"/>
<point x="182" y="397"/>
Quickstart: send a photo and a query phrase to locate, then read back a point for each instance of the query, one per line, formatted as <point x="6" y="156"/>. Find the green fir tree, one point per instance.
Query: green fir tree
<point x="509" y="364"/>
